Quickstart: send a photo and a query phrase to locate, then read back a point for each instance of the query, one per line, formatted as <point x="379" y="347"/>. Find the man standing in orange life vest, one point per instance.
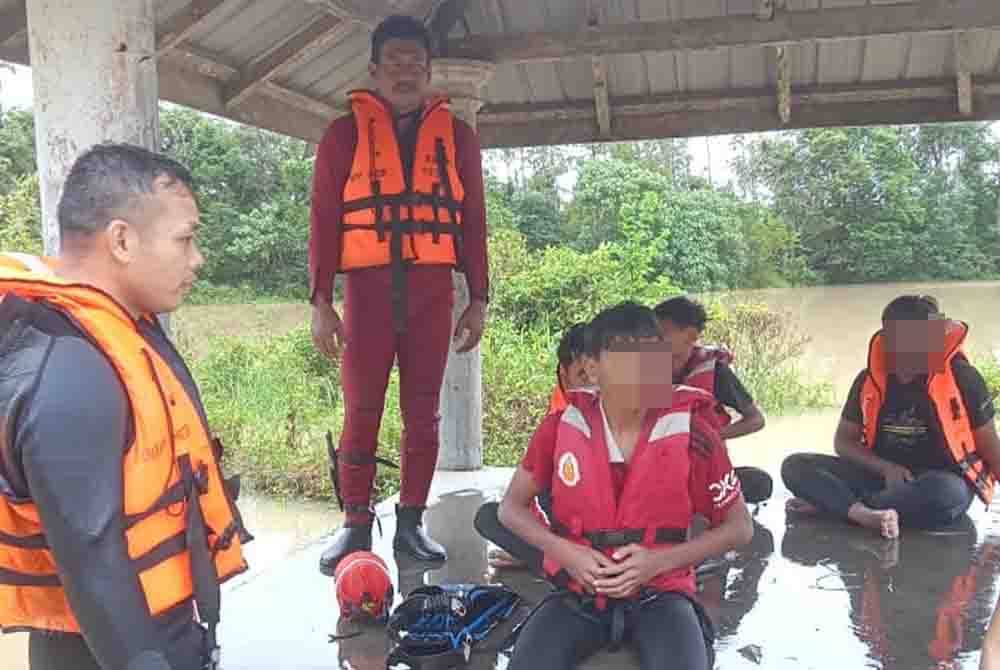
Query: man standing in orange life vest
<point x="115" y="521"/>
<point x="397" y="204"/>
<point x="916" y="441"/>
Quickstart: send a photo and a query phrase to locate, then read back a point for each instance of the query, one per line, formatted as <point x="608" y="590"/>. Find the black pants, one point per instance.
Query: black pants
<point x="65" y="651"/>
<point x="59" y="652"/>
<point x="756" y="484"/>
<point x="666" y="633"/>
<point x="934" y="498"/>
<point x="488" y="524"/>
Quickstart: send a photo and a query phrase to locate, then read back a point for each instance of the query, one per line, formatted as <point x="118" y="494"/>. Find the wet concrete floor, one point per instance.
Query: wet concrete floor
<point x="805" y="594"/>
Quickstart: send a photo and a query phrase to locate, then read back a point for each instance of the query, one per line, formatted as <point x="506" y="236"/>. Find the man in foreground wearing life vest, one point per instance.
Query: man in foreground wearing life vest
<point x="115" y="521"/>
<point x="706" y="367"/>
<point x="397" y="204"/>
<point x="571" y="374"/>
<point x="626" y="476"/>
<point x="916" y="440"/>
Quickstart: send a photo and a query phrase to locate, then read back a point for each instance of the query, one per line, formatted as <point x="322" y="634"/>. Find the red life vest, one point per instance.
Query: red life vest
<point x="655" y="505"/>
<point x="701" y="366"/>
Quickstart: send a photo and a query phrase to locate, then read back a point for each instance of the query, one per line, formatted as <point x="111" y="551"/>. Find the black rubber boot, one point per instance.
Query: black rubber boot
<point x="411" y="538"/>
<point x="347" y="540"/>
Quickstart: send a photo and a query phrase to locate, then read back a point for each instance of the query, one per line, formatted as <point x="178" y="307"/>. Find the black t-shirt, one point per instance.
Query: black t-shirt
<point x="728" y="390"/>
<point x="909" y="433"/>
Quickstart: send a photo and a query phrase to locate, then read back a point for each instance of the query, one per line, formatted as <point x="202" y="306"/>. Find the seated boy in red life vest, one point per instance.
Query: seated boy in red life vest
<point x="512" y="551"/>
<point x="626" y="477"/>
<point x="706" y="367"/>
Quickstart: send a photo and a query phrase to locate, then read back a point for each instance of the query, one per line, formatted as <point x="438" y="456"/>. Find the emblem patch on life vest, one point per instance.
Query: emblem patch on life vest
<point x="569" y="469"/>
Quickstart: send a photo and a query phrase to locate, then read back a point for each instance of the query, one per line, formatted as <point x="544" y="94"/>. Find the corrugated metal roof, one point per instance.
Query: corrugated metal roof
<point x="242" y="37"/>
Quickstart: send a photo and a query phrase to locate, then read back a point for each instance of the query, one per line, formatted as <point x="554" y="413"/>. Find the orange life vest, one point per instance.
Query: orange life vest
<point x="557" y="402"/>
<point x="946" y="400"/>
<point x="171" y="463"/>
<point x="391" y="217"/>
<point x="654" y="506"/>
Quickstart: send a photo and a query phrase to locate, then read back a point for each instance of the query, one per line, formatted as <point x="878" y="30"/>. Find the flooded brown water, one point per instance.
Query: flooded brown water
<point x="841" y="319"/>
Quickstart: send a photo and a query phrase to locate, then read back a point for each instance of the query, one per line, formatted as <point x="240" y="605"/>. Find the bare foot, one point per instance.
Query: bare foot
<point x="801" y="507"/>
<point x="886" y="521"/>
<point x="499" y="558"/>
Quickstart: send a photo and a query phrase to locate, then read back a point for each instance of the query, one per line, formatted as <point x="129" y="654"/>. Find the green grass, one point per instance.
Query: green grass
<point x="272" y="398"/>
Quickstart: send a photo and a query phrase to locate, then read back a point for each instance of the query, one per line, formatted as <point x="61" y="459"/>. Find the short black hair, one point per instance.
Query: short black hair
<point x="627" y="320"/>
<point x="911" y="308"/>
<point x="107" y="181"/>
<point x="573" y="344"/>
<point x="684" y="312"/>
<point x="399" y="27"/>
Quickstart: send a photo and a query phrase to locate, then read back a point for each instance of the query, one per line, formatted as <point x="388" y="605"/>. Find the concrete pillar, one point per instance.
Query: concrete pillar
<point x="93" y="68"/>
<point x="462" y="394"/>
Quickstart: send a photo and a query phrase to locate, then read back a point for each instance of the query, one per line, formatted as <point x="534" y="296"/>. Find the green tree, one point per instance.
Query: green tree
<point x="17" y="147"/>
<point x="536" y="215"/>
<point x="21" y="217"/>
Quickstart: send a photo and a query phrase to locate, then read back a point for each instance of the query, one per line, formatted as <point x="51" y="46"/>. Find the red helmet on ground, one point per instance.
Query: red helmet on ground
<point x="364" y="587"/>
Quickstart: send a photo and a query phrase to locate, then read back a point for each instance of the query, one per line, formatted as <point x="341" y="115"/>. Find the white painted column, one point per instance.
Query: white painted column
<point x="93" y="68"/>
<point x="462" y="393"/>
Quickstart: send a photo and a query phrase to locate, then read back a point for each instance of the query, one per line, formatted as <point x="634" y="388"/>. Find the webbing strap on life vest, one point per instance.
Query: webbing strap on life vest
<point x="968" y="464"/>
<point x="611" y="539"/>
<point x="452" y="205"/>
<point x="204" y="576"/>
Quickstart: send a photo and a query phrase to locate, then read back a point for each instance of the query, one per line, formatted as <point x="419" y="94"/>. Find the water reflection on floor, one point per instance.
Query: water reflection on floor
<point x="803" y="594"/>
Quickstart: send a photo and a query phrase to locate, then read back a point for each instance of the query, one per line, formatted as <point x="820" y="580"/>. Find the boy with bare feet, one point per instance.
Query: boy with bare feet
<point x="916" y="440"/>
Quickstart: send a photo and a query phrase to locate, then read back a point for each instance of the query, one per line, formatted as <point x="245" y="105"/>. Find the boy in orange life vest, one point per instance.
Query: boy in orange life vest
<point x="571" y="374"/>
<point x="916" y="440"/>
<point x="627" y="478"/>
<point x="683" y="321"/>
<point x="103" y="437"/>
<point x="397" y="205"/>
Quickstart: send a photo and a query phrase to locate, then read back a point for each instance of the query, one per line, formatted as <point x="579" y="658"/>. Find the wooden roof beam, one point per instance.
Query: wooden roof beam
<point x="784" y="28"/>
<point x="602" y="104"/>
<point x="298" y="50"/>
<point x="784" y="85"/>
<point x="736" y="120"/>
<point x="185" y="22"/>
<point x="963" y="72"/>
<point x="13" y="21"/>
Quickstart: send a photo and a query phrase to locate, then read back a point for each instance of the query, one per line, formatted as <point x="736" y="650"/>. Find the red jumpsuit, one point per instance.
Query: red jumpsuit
<point x="371" y="341"/>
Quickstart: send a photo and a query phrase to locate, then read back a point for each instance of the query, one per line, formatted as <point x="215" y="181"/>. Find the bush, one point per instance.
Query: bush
<point x="555" y="287"/>
<point x="766" y="346"/>
<point x="21" y="217"/>
<point x="272" y="400"/>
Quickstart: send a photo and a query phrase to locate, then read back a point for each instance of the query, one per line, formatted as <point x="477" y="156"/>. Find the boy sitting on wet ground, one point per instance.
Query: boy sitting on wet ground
<point x="916" y="440"/>
<point x="571" y="374"/>
<point x="706" y="367"/>
<point x="626" y="475"/>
